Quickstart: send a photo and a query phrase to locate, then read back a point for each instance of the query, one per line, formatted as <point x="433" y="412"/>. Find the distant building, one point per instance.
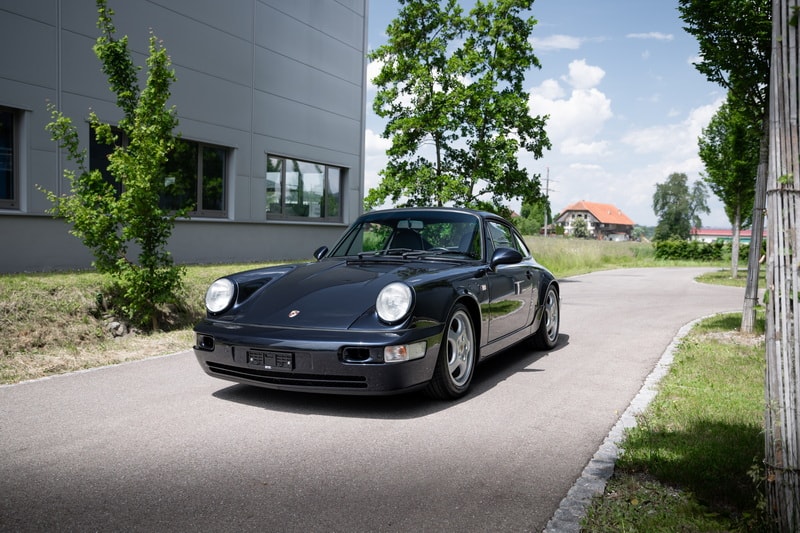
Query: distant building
<point x="717" y="234"/>
<point x="604" y="221"/>
<point x="270" y="98"/>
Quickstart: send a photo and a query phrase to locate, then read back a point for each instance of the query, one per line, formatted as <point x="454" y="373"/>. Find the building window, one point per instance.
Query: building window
<point x="194" y="176"/>
<point x="9" y="189"/>
<point x="303" y="190"/>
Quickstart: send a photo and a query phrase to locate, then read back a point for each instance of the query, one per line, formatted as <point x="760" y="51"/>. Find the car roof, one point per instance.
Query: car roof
<point x="467" y="210"/>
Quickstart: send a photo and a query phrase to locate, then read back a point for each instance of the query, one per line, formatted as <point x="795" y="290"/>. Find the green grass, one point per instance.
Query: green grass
<point x="570" y="257"/>
<point x="692" y="463"/>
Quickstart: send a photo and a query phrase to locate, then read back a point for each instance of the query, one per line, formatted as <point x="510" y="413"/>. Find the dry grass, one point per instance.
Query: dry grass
<point x="56" y="322"/>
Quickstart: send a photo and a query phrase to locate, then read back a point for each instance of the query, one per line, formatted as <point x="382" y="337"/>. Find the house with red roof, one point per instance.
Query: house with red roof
<point x="604" y="221"/>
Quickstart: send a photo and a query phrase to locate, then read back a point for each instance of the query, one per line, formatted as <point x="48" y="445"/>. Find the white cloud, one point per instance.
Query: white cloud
<point x="557" y="42"/>
<point x="583" y="76"/>
<point x="375" y="148"/>
<point x="653" y="35"/>
<point x="575" y="117"/>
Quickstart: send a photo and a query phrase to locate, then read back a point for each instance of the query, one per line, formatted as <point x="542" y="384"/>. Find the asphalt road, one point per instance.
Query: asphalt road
<point x="159" y="446"/>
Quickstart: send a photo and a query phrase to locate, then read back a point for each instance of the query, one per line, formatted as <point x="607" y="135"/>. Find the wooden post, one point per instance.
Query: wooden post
<point x="782" y="383"/>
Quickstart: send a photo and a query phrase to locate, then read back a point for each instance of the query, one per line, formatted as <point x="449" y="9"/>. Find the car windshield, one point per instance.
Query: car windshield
<point x="418" y="232"/>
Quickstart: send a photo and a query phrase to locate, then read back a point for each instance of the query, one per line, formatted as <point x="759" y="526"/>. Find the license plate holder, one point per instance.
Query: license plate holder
<point x="270" y="360"/>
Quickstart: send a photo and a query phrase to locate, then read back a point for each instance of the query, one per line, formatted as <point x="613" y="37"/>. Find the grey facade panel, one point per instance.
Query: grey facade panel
<point x="259" y="77"/>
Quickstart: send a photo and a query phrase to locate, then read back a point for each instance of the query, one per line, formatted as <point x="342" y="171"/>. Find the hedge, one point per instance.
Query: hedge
<point x="697" y="251"/>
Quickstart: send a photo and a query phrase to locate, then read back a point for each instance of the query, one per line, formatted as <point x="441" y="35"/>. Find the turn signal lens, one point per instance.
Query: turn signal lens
<point x="404" y="352"/>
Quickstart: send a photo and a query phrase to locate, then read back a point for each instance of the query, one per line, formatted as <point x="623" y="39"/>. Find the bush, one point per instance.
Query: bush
<point x="676" y="249"/>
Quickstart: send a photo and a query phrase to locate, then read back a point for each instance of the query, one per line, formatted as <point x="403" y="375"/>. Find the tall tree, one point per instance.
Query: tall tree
<point x="729" y="148"/>
<point x="127" y="231"/>
<point x="451" y="89"/>
<point x="734" y="38"/>
<point x="782" y="391"/>
<point x="678" y="207"/>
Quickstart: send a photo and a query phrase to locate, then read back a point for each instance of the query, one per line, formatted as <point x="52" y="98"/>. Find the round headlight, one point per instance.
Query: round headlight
<point x="220" y="295"/>
<point x="394" y="302"/>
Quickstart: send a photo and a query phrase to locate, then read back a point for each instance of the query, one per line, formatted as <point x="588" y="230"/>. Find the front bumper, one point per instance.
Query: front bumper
<point x="321" y="361"/>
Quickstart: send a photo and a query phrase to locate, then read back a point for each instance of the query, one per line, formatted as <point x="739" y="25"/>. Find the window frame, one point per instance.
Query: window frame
<point x="332" y="187"/>
<point x="13" y="202"/>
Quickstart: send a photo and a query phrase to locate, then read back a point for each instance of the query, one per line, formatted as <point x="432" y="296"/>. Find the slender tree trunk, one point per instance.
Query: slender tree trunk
<point x="782" y="383"/>
<point x="757" y="233"/>
<point x="737" y="223"/>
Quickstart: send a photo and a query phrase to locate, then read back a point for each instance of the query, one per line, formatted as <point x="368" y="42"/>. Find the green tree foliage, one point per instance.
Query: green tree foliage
<point x="451" y="89"/>
<point x="118" y="225"/>
<point x="678" y="207"/>
<point x="735" y="39"/>
<point x="580" y="229"/>
<point x="729" y="149"/>
<point x="532" y="216"/>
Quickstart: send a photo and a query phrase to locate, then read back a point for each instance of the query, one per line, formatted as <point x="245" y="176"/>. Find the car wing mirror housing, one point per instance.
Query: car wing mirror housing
<point x="320" y="252"/>
<point x="505" y="256"/>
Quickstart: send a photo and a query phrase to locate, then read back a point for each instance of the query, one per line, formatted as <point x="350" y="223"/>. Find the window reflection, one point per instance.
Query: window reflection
<point x="302" y="189"/>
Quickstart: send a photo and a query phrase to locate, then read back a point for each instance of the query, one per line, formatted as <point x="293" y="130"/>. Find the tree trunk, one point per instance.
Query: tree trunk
<point x="737" y="223"/>
<point x="757" y="233"/>
<point x="782" y="383"/>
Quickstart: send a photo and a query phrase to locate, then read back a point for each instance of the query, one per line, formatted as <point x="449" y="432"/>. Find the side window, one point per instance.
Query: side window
<point x="9" y="152"/>
<point x="500" y="236"/>
<point x="503" y="236"/>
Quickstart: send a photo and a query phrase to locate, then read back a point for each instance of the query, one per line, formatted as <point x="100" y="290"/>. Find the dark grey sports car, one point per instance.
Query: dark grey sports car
<point x="407" y="298"/>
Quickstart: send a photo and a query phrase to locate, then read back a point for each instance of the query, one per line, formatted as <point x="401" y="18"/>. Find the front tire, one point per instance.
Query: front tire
<point x="546" y="337"/>
<point x="457" y="357"/>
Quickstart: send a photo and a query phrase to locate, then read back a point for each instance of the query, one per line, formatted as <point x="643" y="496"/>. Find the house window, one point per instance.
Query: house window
<point x="9" y="189"/>
<point x="194" y="176"/>
<point x="303" y="190"/>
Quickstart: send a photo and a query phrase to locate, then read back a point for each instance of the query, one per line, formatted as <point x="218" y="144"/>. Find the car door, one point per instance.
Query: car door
<point x="511" y="287"/>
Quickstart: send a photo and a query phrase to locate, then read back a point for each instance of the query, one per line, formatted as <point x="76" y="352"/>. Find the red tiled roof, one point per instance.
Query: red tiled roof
<point x="605" y="213"/>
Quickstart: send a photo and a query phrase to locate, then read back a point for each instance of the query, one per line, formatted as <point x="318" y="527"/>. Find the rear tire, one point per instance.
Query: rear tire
<point x="546" y="337"/>
<point x="457" y="357"/>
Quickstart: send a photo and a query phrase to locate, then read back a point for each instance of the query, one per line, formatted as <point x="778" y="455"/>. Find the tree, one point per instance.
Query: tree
<point x="729" y="148"/>
<point x="533" y="216"/>
<point x="580" y="229"/>
<point x="782" y="384"/>
<point x="677" y="207"/>
<point x="735" y="40"/>
<point x="116" y="225"/>
<point x="451" y="89"/>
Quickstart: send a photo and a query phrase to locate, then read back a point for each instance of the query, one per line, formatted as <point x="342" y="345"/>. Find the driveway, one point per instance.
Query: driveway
<point x="159" y="446"/>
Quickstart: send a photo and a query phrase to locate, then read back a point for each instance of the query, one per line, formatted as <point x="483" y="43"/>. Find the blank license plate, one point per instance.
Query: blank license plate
<point x="270" y="360"/>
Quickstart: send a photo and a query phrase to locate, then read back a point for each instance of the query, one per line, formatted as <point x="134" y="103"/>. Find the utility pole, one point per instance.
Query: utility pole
<point x="547" y="198"/>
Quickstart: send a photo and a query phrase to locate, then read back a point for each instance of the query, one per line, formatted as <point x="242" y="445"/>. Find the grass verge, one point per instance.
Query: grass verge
<point x="55" y="322"/>
<point x="693" y="461"/>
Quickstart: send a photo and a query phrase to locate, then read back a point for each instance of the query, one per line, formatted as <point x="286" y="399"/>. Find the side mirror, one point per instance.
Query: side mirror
<point x="320" y="252"/>
<point x="505" y="256"/>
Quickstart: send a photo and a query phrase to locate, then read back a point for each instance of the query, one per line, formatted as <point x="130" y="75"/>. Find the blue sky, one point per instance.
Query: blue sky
<point x="626" y="104"/>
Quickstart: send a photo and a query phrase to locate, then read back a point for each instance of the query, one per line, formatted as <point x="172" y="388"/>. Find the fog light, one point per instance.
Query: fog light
<point x="404" y="352"/>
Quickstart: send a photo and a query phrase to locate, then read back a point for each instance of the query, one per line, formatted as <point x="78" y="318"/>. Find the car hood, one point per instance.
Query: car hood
<point x="329" y="294"/>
